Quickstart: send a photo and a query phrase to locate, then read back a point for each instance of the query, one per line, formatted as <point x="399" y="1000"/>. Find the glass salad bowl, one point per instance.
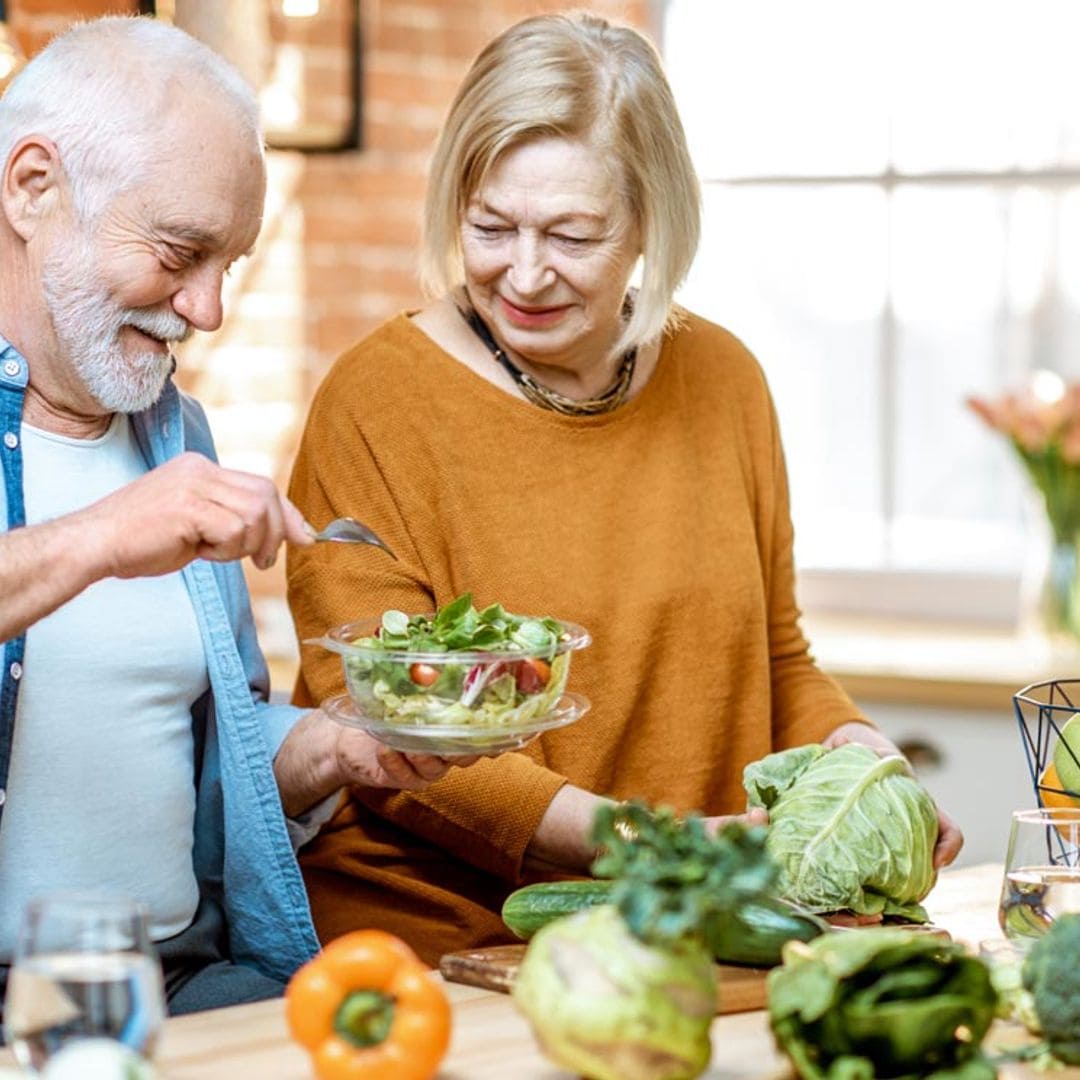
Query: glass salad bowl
<point x="461" y="681"/>
<point x="456" y="740"/>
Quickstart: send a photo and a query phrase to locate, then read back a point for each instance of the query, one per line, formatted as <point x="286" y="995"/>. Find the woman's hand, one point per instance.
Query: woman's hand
<point x="756" y="816"/>
<point x="950" y="839"/>
<point x="865" y="735"/>
<point x="319" y="756"/>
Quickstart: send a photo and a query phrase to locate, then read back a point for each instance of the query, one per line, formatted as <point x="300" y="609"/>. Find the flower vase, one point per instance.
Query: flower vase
<point x="1060" y="600"/>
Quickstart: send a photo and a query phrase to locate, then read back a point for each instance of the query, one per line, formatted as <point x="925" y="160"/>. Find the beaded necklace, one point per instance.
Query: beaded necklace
<point x="544" y="396"/>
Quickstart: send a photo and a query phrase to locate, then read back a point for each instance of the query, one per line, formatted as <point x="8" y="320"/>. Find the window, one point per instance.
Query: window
<point x="892" y="222"/>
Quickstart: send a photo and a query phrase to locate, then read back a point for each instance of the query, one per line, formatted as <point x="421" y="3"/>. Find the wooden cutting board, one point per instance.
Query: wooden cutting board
<point x="738" y="989"/>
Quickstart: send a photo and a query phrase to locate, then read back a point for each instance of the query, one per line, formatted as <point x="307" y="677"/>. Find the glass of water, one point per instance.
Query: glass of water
<point x="1042" y="872"/>
<point x="84" y="966"/>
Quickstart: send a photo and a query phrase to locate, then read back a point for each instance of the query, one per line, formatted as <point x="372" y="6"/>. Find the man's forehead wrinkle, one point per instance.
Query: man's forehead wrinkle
<point x="197" y="234"/>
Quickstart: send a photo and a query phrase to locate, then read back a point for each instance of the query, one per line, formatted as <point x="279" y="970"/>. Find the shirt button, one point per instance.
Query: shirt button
<point x="11" y="440"/>
<point x="3" y="796"/>
<point x="11" y="367"/>
<point x="165" y="430"/>
<point x="16" y="670"/>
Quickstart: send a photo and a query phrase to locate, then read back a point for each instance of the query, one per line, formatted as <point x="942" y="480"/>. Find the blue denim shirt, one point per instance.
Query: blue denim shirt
<point x="243" y="854"/>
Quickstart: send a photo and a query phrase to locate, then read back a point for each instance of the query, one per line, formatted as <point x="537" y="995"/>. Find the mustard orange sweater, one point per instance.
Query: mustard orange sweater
<point x="663" y="527"/>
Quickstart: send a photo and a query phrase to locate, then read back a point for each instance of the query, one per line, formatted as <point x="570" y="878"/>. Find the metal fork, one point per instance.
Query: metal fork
<point x="348" y="530"/>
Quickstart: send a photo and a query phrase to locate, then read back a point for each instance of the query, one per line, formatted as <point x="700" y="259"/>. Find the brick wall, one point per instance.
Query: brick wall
<point x="338" y="251"/>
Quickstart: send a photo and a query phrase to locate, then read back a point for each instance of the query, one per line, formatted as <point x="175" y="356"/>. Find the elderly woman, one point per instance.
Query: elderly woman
<point x="551" y="438"/>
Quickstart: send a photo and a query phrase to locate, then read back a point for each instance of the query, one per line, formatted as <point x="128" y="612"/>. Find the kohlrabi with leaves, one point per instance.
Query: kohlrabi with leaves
<point x="626" y="990"/>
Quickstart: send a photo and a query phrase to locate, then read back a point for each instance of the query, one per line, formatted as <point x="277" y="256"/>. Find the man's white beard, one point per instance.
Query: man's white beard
<point x="87" y="325"/>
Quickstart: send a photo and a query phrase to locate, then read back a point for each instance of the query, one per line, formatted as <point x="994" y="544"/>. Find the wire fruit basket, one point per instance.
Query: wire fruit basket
<point x="1043" y="711"/>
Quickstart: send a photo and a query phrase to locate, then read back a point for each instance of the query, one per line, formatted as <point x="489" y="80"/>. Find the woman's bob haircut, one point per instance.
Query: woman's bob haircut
<point x="572" y="76"/>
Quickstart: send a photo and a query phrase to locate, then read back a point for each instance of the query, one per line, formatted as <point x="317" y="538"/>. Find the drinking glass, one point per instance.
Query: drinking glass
<point x="1042" y="872"/>
<point x="83" y="967"/>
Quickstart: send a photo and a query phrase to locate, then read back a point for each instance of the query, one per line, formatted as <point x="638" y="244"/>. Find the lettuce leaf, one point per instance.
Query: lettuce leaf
<point x="848" y="828"/>
<point x="882" y="1002"/>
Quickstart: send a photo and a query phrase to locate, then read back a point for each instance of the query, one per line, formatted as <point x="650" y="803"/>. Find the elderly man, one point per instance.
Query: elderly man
<point x="137" y="751"/>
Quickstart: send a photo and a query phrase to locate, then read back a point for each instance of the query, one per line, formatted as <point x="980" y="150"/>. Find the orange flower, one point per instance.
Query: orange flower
<point x="1043" y="424"/>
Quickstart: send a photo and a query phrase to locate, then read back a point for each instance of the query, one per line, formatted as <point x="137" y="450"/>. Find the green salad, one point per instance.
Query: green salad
<point x="461" y="667"/>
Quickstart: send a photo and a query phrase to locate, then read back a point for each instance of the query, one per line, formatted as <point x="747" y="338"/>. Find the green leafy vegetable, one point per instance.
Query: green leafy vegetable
<point x="459" y="626"/>
<point x="881" y="1002"/>
<point x="626" y="990"/>
<point x="848" y="828"/>
<point x="671" y="877"/>
<point x="1051" y="974"/>
<point x="1015" y="1002"/>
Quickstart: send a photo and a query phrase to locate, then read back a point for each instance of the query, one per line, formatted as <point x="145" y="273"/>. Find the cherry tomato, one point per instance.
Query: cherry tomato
<point x="423" y="674"/>
<point x="532" y="674"/>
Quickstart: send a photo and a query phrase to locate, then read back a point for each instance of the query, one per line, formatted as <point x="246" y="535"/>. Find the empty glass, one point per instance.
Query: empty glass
<point x="1042" y="872"/>
<point x="84" y="966"/>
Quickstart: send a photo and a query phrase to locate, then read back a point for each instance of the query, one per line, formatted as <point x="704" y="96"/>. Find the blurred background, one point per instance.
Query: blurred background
<point x="892" y="223"/>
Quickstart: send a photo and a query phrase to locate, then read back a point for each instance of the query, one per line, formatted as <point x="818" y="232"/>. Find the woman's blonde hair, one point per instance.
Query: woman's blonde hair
<point x="572" y="76"/>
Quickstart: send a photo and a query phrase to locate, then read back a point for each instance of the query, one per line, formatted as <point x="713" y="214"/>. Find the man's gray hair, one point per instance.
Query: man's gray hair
<point x="103" y="92"/>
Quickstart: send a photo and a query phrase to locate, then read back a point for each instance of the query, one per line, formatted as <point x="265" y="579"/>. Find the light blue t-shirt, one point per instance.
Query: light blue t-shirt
<point x="101" y="791"/>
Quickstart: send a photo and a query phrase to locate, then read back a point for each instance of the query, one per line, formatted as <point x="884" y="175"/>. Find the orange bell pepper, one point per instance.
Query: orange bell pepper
<point x="365" y="1008"/>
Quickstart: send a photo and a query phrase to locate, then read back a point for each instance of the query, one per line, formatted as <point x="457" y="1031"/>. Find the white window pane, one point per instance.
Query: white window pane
<point x="948" y="262"/>
<point x="756" y="100"/>
<point x="972" y="79"/>
<point x="1032" y="239"/>
<point x="782" y="87"/>
<point x="799" y="274"/>
<point x="950" y="284"/>
<point x="1068" y="238"/>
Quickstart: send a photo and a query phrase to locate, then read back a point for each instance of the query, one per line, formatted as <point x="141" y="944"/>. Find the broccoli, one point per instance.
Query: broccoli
<point x="1052" y="974"/>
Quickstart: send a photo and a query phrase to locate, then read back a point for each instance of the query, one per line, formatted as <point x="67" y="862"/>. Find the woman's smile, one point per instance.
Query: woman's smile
<point x="532" y="317"/>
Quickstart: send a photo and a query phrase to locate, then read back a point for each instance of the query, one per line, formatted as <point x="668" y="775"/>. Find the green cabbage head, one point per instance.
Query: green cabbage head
<point x="848" y="828"/>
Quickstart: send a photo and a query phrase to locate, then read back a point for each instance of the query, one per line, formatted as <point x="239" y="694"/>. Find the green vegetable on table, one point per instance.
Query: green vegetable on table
<point x="1051" y="974"/>
<point x="756" y="932"/>
<point x="1014" y="1000"/>
<point x="849" y="829"/>
<point x="532" y="907"/>
<point x="625" y="990"/>
<point x="882" y="1002"/>
<point x="752" y="934"/>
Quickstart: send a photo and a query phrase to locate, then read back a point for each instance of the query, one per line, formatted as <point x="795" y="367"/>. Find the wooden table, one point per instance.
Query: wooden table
<point x="492" y="1042"/>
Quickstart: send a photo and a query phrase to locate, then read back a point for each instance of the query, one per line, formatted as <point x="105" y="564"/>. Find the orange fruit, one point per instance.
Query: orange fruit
<point x="1050" y="779"/>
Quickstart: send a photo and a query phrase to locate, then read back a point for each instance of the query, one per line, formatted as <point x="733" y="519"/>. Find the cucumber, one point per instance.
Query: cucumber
<point x="754" y="935"/>
<point x="534" y="906"/>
